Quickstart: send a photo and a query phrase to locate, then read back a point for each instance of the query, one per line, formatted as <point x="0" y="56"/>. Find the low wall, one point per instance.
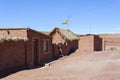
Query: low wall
<point x="110" y="44"/>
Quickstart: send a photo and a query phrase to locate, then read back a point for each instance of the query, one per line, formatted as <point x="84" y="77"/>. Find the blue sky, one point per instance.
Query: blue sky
<point x="85" y="16"/>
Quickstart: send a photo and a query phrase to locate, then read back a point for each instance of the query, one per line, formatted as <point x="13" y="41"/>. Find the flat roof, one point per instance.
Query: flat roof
<point x="14" y="28"/>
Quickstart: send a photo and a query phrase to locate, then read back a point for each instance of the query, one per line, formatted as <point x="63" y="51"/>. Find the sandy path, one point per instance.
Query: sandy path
<point x="90" y="66"/>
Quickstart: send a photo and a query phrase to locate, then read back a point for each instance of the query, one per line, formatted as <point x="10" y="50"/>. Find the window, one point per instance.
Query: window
<point x="46" y="46"/>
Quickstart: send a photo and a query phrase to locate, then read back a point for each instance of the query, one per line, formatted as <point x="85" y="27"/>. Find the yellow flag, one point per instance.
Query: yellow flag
<point x="65" y="22"/>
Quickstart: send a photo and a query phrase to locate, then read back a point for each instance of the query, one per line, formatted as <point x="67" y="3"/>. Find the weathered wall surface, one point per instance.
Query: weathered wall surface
<point x="111" y="44"/>
<point x="86" y="43"/>
<point x="66" y="46"/>
<point x="90" y="43"/>
<point x="34" y="44"/>
<point x="42" y="55"/>
<point x="12" y="54"/>
<point x="13" y="33"/>
<point x="58" y="40"/>
<point x="73" y="45"/>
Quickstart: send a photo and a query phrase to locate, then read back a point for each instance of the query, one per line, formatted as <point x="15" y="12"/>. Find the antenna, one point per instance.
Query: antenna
<point x="90" y="28"/>
<point x="68" y="18"/>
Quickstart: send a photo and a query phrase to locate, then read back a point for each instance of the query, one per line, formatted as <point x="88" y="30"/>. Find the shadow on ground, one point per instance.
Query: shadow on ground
<point x="42" y="64"/>
<point x="15" y="70"/>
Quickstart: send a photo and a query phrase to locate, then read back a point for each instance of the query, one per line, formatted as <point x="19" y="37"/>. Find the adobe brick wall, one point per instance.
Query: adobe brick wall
<point x="66" y="46"/>
<point x="57" y="39"/>
<point x="86" y="43"/>
<point x="12" y="54"/>
<point x="32" y="35"/>
<point x="113" y="42"/>
<point x="11" y="33"/>
<point x="65" y="49"/>
<point x="73" y="45"/>
<point x="49" y="54"/>
<point x="90" y="43"/>
<point x="55" y="50"/>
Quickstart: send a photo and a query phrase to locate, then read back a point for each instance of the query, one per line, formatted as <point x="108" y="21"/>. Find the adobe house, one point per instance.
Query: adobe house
<point x="90" y="43"/>
<point x="23" y="47"/>
<point x="65" y="40"/>
<point x="111" y="42"/>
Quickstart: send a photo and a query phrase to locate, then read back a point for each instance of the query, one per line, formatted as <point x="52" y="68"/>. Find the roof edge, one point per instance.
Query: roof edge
<point x="63" y="36"/>
<point x="22" y="28"/>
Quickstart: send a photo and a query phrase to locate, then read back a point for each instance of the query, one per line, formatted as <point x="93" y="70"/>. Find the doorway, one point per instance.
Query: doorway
<point x="36" y="51"/>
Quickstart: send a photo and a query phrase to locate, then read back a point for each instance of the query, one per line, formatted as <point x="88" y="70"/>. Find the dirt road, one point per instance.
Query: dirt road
<point x="87" y="66"/>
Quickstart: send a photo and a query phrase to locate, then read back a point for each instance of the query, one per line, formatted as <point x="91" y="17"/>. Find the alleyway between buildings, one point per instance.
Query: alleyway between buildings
<point x="77" y="66"/>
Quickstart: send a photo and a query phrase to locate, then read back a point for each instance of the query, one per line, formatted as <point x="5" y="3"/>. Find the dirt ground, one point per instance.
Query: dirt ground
<point x="77" y="66"/>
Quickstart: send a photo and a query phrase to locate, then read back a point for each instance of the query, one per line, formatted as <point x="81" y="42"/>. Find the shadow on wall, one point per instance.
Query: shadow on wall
<point x="12" y="56"/>
<point x="73" y="46"/>
<point x="65" y="49"/>
<point x="10" y="71"/>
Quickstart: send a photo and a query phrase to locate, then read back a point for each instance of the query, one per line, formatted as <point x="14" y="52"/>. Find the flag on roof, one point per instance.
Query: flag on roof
<point x="65" y="22"/>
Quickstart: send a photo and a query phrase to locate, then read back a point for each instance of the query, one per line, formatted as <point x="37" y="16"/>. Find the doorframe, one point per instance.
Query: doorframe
<point x="38" y="51"/>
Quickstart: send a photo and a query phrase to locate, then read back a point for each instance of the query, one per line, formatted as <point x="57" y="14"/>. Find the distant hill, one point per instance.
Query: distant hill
<point x="103" y="35"/>
<point x="110" y="35"/>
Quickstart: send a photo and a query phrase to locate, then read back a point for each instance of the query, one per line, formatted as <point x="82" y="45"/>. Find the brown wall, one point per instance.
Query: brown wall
<point x="12" y="54"/>
<point x="73" y="45"/>
<point x="109" y="43"/>
<point x="13" y="33"/>
<point x="66" y="46"/>
<point x="86" y="43"/>
<point x="90" y="43"/>
<point x="33" y="35"/>
<point x="57" y="38"/>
